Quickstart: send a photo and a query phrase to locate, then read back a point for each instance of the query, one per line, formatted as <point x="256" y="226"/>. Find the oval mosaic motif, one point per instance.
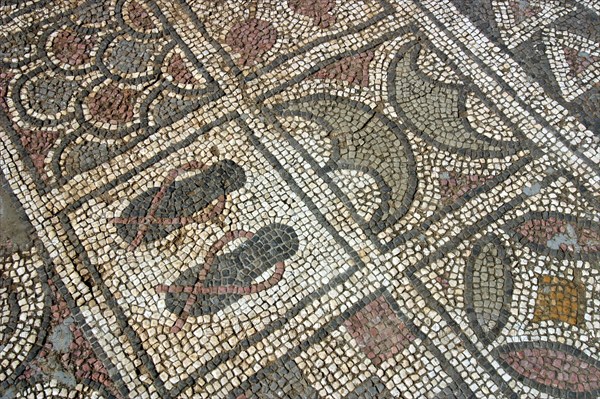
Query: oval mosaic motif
<point x="225" y="277"/>
<point x="71" y="49"/>
<point x="251" y="39"/>
<point x="169" y="107"/>
<point x="131" y="59"/>
<point x="488" y="283"/>
<point x="558" y="234"/>
<point x="158" y="211"/>
<point x="552" y="368"/>
<point x="112" y="104"/>
<point x="179" y="71"/>
<point x="45" y="98"/>
<point x="80" y="156"/>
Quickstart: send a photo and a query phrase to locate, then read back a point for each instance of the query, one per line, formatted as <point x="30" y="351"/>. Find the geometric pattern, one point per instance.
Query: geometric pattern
<point x="299" y="199"/>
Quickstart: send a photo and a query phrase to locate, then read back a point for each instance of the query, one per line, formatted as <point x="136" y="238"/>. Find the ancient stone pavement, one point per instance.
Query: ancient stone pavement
<point x="299" y="199"/>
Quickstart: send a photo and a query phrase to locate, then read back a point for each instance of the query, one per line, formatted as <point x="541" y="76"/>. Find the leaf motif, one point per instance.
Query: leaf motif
<point x="158" y="211"/>
<point x="225" y="277"/>
<point x="437" y="110"/>
<point x="552" y="368"/>
<point x="488" y="283"/>
<point x="558" y="234"/>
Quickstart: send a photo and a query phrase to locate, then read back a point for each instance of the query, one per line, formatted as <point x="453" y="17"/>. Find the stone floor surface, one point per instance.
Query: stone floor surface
<point x="299" y="199"/>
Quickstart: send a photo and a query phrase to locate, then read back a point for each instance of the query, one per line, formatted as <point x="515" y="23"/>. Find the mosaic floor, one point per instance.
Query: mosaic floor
<point x="300" y="199"/>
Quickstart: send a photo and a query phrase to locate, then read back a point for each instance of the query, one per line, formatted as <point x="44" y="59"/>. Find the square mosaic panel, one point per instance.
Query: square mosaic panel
<point x="253" y="233"/>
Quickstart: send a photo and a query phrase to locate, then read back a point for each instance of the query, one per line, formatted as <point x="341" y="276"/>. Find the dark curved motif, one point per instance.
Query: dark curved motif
<point x="557" y="369"/>
<point x="363" y="140"/>
<point x="157" y="212"/>
<point x="52" y="109"/>
<point x="488" y="288"/>
<point x="23" y="316"/>
<point x="21" y="48"/>
<point x="10" y="309"/>
<point x="142" y="21"/>
<point x="168" y="107"/>
<point x="223" y="279"/>
<point x="437" y="109"/>
<point x="559" y="235"/>
<point x="79" y="160"/>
